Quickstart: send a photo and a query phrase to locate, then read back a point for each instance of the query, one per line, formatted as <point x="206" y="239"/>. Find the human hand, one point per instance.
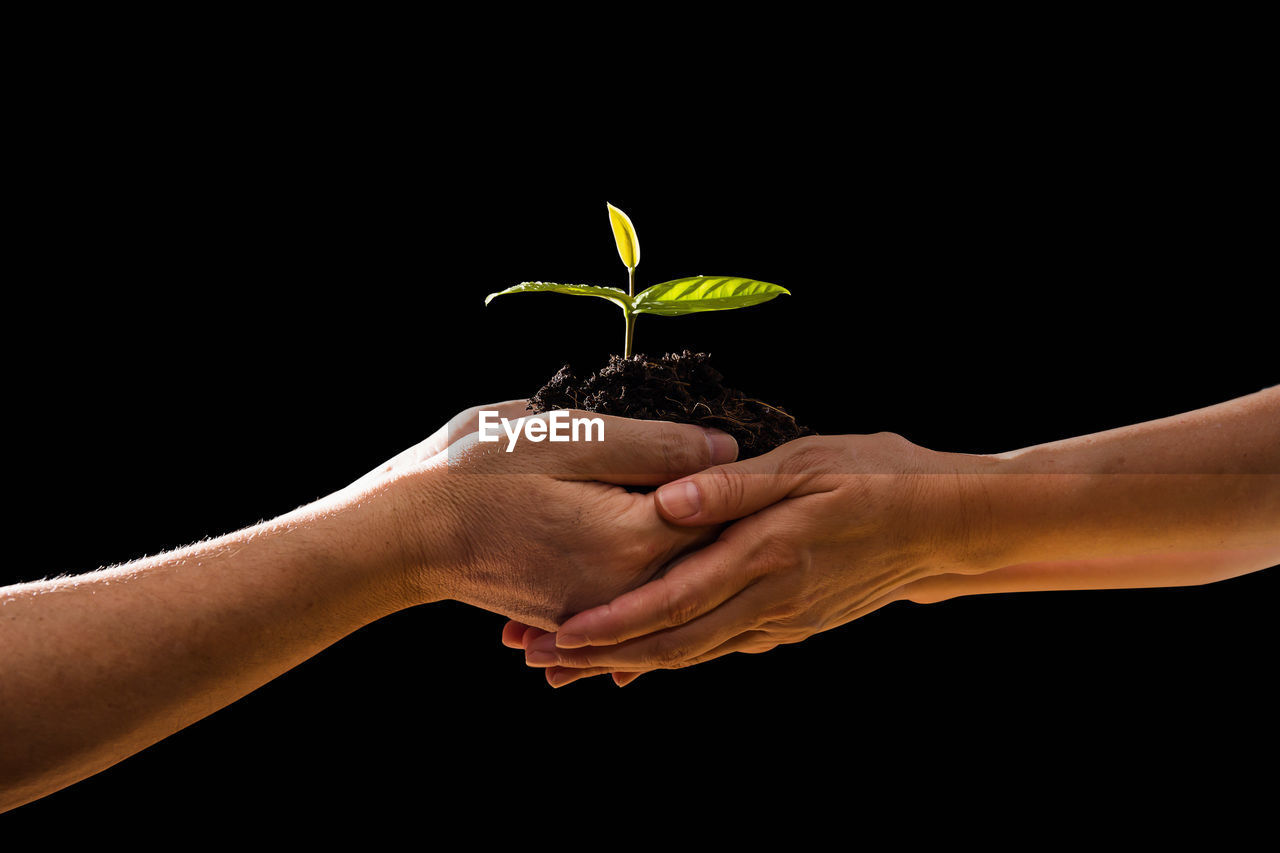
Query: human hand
<point x="544" y="531"/>
<point x="860" y="521"/>
<point x="833" y="528"/>
<point x="108" y="662"/>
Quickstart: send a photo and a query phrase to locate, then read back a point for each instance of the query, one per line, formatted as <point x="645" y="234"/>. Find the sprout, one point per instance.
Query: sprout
<point x="668" y="299"/>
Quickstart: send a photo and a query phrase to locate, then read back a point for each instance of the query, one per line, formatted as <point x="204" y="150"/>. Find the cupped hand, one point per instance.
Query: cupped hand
<point x="547" y="529"/>
<point x="831" y="529"/>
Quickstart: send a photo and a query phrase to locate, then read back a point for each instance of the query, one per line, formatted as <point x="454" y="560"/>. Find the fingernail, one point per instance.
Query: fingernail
<point x="558" y="677"/>
<point x="724" y="448"/>
<point x="570" y="641"/>
<point x="536" y="657"/>
<point x="680" y="500"/>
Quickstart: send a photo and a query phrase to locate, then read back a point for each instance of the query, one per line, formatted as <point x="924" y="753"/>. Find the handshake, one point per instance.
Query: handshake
<point x="649" y="547"/>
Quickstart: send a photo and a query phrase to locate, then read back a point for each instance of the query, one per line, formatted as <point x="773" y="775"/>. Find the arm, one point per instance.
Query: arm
<point x="1176" y="568"/>
<point x="1207" y="480"/>
<point x="834" y="528"/>
<point x="99" y="666"/>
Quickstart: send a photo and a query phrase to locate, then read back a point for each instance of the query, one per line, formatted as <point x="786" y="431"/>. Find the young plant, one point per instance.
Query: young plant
<point x="668" y="299"/>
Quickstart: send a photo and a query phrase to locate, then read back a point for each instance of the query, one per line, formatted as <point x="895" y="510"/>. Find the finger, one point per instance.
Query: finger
<point x="669" y="649"/>
<point x="512" y="632"/>
<point x="560" y="676"/>
<point x="517" y="635"/>
<point x="693" y="585"/>
<point x="530" y="634"/>
<point x="726" y="492"/>
<point x="750" y="642"/>
<point x="642" y="453"/>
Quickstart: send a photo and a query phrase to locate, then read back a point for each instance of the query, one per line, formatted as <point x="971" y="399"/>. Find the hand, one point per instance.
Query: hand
<point x="103" y="664"/>
<point x="844" y="525"/>
<point x="832" y="528"/>
<point x="546" y="530"/>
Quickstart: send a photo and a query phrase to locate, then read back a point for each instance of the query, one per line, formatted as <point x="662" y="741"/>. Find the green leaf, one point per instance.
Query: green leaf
<point x="704" y="293"/>
<point x="624" y="234"/>
<point x="613" y="294"/>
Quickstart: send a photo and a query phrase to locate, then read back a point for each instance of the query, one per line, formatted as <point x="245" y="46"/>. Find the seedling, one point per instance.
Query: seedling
<point x="668" y="299"/>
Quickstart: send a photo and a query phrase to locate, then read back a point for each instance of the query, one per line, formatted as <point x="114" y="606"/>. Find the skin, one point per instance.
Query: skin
<point x="828" y="529"/>
<point x="101" y="665"/>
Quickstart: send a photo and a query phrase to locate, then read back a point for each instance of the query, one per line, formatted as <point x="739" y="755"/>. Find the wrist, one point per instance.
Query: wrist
<point x="419" y="533"/>
<point x="974" y="541"/>
<point x="388" y="541"/>
<point x="1046" y="505"/>
<point x="1020" y="508"/>
<point x="335" y="543"/>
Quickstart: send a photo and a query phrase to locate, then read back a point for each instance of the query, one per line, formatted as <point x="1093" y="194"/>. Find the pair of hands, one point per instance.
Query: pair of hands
<point x="825" y="530"/>
<point x="597" y="577"/>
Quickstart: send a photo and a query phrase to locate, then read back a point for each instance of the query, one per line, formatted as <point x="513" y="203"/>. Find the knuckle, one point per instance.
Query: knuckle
<point x="809" y="455"/>
<point x="632" y="554"/>
<point x="805" y="622"/>
<point x="669" y="654"/>
<point x="928" y="594"/>
<point x="683" y="452"/>
<point x="890" y="438"/>
<point x="680" y="603"/>
<point x="761" y="646"/>
<point x="782" y="614"/>
<point x="724" y="488"/>
<point x="792" y="630"/>
<point x="890" y="444"/>
<point x="773" y="555"/>
<point x="577" y="658"/>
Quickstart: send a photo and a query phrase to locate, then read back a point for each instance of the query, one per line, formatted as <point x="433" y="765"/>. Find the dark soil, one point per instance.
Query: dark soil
<point x="681" y="387"/>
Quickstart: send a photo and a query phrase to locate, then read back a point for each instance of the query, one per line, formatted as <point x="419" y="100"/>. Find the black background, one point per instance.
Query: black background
<point x="225" y="307"/>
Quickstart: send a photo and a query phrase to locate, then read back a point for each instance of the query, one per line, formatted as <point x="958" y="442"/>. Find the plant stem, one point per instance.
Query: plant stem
<point x="631" y="318"/>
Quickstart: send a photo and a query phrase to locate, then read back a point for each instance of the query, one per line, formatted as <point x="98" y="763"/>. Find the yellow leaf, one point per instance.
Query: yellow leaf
<point x="625" y="235"/>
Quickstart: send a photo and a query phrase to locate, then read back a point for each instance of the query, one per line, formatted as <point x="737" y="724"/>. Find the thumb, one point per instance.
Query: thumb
<point x="726" y="492"/>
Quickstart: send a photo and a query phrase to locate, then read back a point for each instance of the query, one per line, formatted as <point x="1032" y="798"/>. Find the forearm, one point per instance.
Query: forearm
<point x="1190" y="568"/>
<point x="828" y="529"/>
<point x="1204" y="481"/>
<point x="99" y="666"/>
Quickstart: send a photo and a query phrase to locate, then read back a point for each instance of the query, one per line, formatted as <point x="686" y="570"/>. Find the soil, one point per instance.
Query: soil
<point x="681" y="387"/>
